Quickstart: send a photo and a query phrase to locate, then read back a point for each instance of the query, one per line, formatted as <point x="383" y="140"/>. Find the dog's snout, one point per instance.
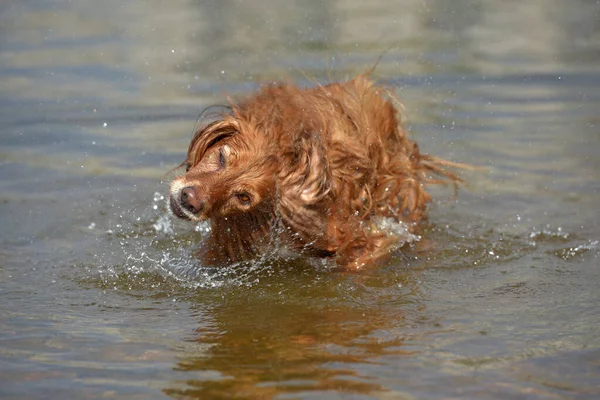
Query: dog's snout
<point x="190" y="201"/>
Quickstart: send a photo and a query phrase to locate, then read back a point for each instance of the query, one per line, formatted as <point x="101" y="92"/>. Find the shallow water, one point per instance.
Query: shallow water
<point x="100" y="295"/>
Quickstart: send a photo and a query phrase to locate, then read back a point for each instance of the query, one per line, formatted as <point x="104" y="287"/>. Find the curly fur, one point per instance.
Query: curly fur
<point x="321" y="162"/>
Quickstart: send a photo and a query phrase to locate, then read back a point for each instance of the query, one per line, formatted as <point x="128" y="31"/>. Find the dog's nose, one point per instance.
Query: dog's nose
<point x="190" y="201"/>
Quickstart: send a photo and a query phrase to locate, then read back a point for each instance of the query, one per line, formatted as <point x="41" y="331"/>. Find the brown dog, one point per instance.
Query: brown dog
<point x="310" y="169"/>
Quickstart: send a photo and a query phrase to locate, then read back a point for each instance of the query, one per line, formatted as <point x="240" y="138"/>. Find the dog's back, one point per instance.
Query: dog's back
<point x="360" y="136"/>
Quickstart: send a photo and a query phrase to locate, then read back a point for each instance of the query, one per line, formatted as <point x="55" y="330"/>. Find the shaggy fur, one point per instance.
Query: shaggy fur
<point x="319" y="163"/>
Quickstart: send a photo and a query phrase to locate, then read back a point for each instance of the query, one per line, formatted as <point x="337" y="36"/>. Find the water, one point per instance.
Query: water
<point x="100" y="295"/>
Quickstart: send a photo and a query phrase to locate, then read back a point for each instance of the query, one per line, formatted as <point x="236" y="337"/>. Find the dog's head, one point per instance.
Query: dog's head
<point x="229" y="171"/>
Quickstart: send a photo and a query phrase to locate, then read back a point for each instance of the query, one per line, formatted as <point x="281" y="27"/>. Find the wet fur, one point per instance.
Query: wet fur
<point x="320" y="163"/>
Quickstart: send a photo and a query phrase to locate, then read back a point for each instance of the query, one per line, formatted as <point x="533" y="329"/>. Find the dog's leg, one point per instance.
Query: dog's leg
<point x="379" y="251"/>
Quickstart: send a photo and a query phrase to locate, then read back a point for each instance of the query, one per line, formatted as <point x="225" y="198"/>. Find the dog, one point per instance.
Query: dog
<point x="310" y="169"/>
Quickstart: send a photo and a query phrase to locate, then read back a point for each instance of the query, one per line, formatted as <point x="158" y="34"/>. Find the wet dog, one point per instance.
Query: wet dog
<point x="311" y="169"/>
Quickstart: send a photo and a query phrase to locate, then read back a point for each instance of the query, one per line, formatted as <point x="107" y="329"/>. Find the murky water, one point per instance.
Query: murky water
<point x="100" y="296"/>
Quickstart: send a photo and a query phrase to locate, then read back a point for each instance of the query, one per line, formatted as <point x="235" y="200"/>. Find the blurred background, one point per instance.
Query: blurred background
<point x="101" y="297"/>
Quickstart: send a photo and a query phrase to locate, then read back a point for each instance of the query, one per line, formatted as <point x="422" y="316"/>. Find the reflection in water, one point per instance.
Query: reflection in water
<point x="305" y="335"/>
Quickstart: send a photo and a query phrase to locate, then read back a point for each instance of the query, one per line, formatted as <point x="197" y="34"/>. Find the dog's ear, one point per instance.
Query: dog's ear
<point x="208" y="136"/>
<point x="304" y="184"/>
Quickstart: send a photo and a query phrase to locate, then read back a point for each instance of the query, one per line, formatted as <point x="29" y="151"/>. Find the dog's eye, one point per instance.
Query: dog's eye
<point x="243" y="198"/>
<point x="222" y="160"/>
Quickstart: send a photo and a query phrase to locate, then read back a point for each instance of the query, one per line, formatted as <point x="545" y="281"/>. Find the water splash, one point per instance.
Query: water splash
<point x="576" y="251"/>
<point x="548" y="234"/>
<point x="399" y="229"/>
